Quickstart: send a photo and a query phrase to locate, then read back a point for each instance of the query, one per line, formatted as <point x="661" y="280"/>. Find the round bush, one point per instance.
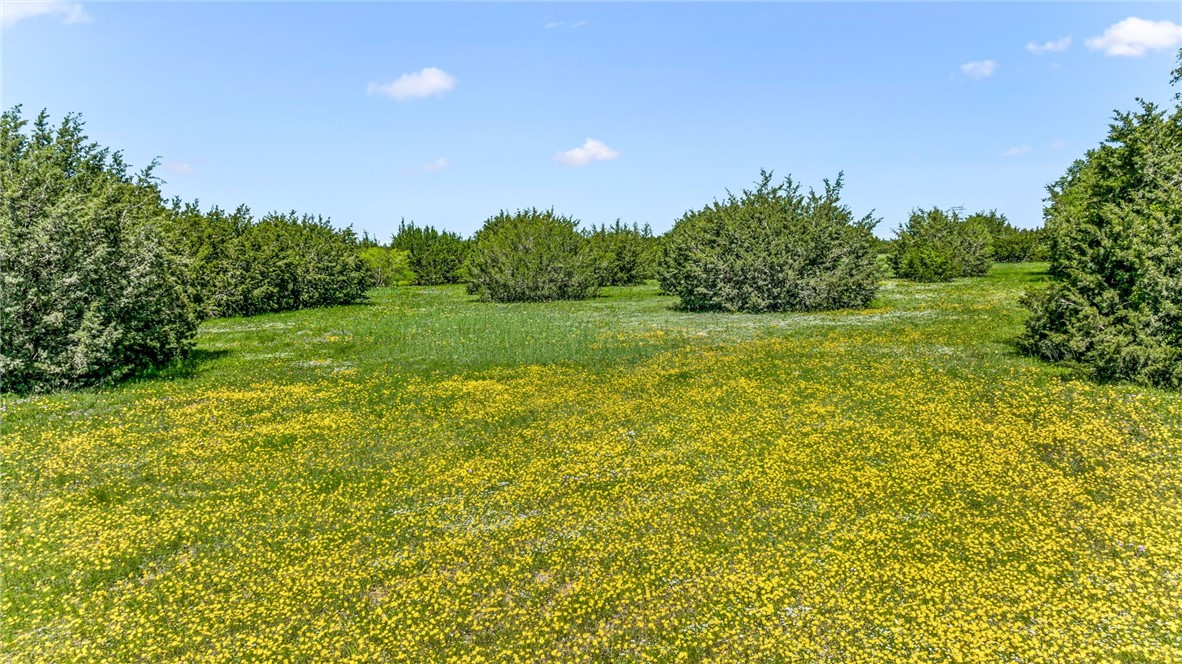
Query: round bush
<point x="89" y="292"/>
<point x="531" y="256"/>
<point x="935" y="245"/>
<point x="771" y="249"/>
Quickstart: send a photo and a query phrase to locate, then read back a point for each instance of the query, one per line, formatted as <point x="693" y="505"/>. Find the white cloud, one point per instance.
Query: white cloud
<point x="423" y="83"/>
<point x="979" y="68"/>
<point x="560" y="24"/>
<point x="68" y="12"/>
<point x="554" y="24"/>
<point x="1057" y="46"/>
<point x="578" y="24"/>
<point x="1058" y="145"/>
<point x="1016" y="151"/>
<point x="437" y="165"/>
<point x="1134" y="37"/>
<point x="591" y="150"/>
<point x="178" y="167"/>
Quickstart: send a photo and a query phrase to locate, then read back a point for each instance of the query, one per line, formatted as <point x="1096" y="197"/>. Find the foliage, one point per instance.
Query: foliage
<point x="292" y="261"/>
<point x="239" y="266"/>
<point x="604" y="480"/>
<point x="1115" y="226"/>
<point x="435" y="257"/>
<point x="938" y="245"/>
<point x="771" y="249"/>
<point x="390" y="267"/>
<point x="624" y="255"/>
<point x="89" y="293"/>
<point x="204" y="243"/>
<point x="531" y="256"/>
<point x="1009" y="243"/>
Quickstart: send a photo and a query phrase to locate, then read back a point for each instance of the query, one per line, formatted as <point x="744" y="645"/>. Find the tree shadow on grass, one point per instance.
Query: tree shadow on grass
<point x="181" y="369"/>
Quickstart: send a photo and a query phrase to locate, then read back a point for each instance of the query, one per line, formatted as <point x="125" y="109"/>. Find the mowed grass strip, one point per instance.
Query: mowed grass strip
<point x="425" y="478"/>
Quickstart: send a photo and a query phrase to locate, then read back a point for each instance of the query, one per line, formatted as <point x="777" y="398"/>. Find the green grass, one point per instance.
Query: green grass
<point x="425" y="477"/>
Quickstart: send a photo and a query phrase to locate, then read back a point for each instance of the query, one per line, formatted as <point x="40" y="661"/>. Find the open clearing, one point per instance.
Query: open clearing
<point x="425" y="477"/>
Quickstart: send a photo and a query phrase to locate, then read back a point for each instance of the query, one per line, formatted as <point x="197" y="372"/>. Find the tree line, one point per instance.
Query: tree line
<point x="102" y="277"/>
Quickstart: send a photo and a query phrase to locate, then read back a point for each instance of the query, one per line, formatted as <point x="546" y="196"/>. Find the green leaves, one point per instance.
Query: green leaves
<point x="435" y="257"/>
<point x="771" y="249"/>
<point x="90" y="291"/>
<point x="1115" y="229"/>
<point x="624" y="255"/>
<point x="937" y="245"/>
<point x="531" y="256"/>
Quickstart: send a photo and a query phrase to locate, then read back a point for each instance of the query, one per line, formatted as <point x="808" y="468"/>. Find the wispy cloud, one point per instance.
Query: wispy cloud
<point x="1057" y="46"/>
<point x="1134" y="37"/>
<point x="422" y="83"/>
<point x="562" y="24"/>
<point x="437" y="165"/>
<point x="979" y="69"/>
<point x="1016" y="151"/>
<point x="591" y="150"/>
<point x="177" y="167"/>
<point x="1058" y="145"/>
<point x="69" y="12"/>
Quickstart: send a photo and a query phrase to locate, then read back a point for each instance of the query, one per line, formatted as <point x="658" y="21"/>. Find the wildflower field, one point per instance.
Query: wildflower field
<point x="429" y="478"/>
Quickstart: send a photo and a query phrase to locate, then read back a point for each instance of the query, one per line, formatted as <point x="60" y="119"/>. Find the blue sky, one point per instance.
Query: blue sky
<point x="445" y="113"/>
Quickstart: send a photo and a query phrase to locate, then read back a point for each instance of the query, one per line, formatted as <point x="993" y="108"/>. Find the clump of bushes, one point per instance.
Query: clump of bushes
<point x="1009" y="243"/>
<point x="89" y="292"/>
<point x="100" y="279"/>
<point x="531" y="256"/>
<point x="771" y="249"/>
<point x="291" y="261"/>
<point x="625" y="255"/>
<point x="1115" y="228"/>
<point x="239" y="266"/>
<point x="938" y="245"/>
<point x="435" y="257"/>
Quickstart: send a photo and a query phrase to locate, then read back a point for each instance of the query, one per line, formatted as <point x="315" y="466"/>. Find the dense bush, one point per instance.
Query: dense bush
<point x="1115" y="228"/>
<point x="88" y="290"/>
<point x="435" y="257"/>
<point x="530" y="256"/>
<point x="624" y="255"/>
<point x="938" y="245"/>
<point x="203" y="243"/>
<point x="239" y="266"/>
<point x="771" y="249"/>
<point x="291" y="261"/>
<point x="1010" y="244"/>
<point x="389" y="267"/>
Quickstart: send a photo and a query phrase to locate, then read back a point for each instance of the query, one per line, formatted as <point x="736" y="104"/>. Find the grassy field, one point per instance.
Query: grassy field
<point x="429" y="478"/>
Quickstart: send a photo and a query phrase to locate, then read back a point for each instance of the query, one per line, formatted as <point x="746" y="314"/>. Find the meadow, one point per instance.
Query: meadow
<point x="424" y="477"/>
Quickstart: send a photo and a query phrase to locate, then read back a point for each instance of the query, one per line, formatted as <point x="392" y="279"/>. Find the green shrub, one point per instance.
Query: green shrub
<point x="389" y="267"/>
<point x="1009" y="243"/>
<point x="771" y="249"/>
<point x="531" y="256"/>
<point x="202" y="242"/>
<point x="1114" y="303"/>
<point x="238" y="266"/>
<point x="88" y="290"/>
<point x="624" y="255"/>
<point x="1020" y="245"/>
<point x="937" y="245"/>
<point x="435" y="257"/>
<point x="290" y="261"/>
